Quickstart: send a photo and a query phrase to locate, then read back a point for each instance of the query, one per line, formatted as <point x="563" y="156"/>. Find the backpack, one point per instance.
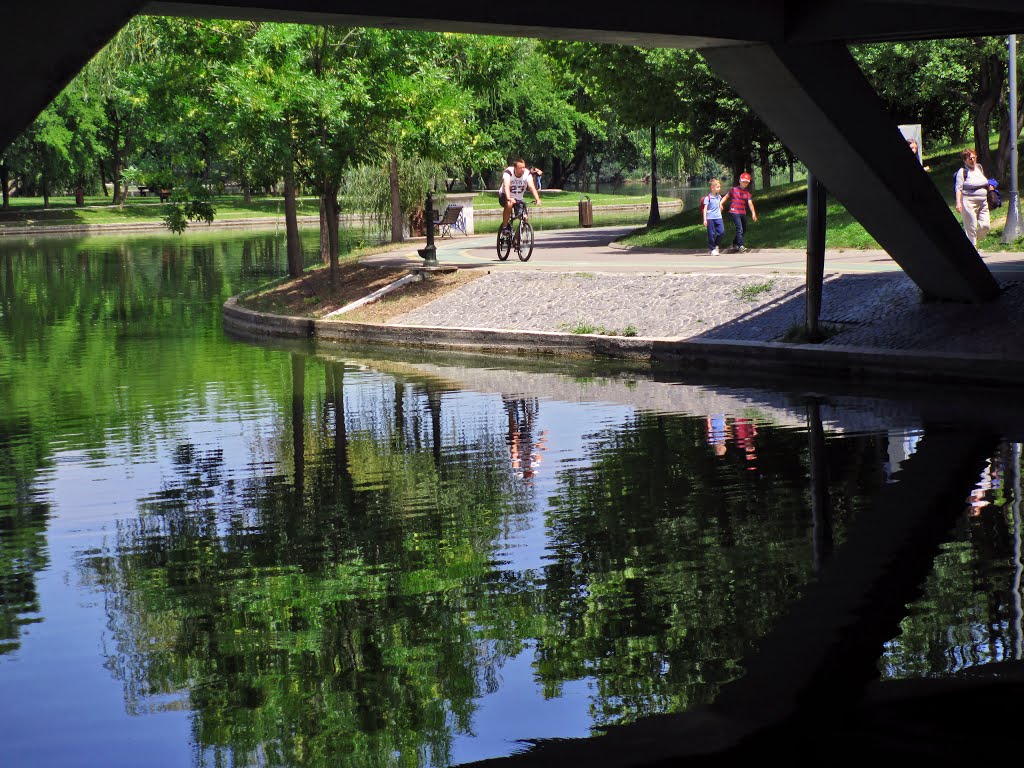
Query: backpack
<point x="994" y="198"/>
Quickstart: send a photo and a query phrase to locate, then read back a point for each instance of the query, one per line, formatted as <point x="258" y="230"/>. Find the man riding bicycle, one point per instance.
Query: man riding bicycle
<point x="514" y="183"/>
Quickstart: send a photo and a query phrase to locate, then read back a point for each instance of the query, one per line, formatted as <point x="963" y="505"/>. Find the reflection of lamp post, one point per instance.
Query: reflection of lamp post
<point x="1012" y="230"/>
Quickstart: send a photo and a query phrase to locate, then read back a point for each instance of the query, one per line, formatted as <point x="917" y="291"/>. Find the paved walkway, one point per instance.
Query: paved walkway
<point x="756" y="296"/>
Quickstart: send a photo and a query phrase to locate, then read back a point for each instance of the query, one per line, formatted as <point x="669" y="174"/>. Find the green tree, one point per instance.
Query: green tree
<point x="416" y="109"/>
<point x="525" y="104"/>
<point x="947" y="86"/>
<point x="42" y="153"/>
<point x="639" y="83"/>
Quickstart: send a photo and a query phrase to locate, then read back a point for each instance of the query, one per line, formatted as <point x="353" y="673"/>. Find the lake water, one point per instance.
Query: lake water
<point x="214" y="552"/>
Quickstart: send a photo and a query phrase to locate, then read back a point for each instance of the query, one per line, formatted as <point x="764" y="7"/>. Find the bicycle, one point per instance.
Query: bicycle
<point x="518" y="234"/>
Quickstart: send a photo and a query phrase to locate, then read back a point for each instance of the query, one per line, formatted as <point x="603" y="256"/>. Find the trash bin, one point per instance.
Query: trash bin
<point x="586" y="213"/>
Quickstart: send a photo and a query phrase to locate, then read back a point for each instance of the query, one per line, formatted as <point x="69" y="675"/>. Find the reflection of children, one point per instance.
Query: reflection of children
<point x="717" y="433"/>
<point x="745" y="431"/>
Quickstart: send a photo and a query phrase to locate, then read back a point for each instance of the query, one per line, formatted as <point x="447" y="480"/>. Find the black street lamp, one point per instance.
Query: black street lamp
<point x="429" y="253"/>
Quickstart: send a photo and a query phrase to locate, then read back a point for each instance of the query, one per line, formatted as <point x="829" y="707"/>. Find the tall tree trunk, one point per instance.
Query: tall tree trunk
<point x="989" y="92"/>
<point x="46" y="193"/>
<point x="584" y="178"/>
<point x="765" y="163"/>
<point x="103" y="178"/>
<point x="1001" y="162"/>
<point x="396" y="198"/>
<point x="332" y="233"/>
<point x="325" y="238"/>
<point x="655" y="215"/>
<point x="291" y="225"/>
<point x="246" y="191"/>
<point x="329" y="230"/>
<point x="115" y="167"/>
<point x="5" y="184"/>
<point x="556" y="173"/>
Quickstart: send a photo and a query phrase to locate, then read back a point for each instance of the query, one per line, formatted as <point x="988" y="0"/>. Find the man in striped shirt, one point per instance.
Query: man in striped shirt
<point x="737" y="201"/>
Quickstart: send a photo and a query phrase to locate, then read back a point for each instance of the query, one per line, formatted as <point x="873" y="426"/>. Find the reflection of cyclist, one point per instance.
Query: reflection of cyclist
<point x="514" y="183"/>
<point x="523" y="448"/>
<point x="991" y="479"/>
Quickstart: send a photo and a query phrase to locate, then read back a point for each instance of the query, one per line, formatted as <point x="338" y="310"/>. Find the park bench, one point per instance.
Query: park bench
<point x="451" y="219"/>
<point x="165" y="194"/>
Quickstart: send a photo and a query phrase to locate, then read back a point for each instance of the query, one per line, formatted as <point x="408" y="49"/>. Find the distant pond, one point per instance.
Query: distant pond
<point x="214" y="552"/>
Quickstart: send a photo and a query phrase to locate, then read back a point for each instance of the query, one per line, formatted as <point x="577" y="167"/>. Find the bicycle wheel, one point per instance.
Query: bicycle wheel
<point x="525" y="246"/>
<point x="504" y="243"/>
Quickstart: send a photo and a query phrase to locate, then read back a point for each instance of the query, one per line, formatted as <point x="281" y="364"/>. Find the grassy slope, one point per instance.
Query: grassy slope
<point x="782" y="219"/>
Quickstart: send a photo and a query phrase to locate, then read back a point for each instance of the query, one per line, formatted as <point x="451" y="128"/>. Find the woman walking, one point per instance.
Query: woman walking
<point x="971" y="186"/>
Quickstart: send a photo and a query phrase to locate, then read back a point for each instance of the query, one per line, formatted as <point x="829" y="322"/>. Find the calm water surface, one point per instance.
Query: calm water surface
<point x="219" y="553"/>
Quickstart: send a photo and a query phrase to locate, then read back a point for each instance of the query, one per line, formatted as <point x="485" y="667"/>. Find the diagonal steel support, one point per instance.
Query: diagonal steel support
<point x="815" y="98"/>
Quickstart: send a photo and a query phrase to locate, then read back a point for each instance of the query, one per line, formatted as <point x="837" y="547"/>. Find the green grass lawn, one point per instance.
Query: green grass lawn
<point x="29" y="211"/>
<point x="782" y="219"/>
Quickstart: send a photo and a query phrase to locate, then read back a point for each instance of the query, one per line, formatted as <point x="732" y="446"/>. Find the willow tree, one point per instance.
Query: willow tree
<point x="416" y="107"/>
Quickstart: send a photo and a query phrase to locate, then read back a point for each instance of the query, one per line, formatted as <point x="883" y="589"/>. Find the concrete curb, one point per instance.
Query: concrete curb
<point x="688" y="354"/>
<point x="251" y="323"/>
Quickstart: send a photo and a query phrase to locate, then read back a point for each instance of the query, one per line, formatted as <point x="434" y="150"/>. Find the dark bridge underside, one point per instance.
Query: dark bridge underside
<point x="786" y="58"/>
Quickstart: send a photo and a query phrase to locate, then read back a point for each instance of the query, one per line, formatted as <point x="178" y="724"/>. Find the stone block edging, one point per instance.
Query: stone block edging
<point x="680" y="353"/>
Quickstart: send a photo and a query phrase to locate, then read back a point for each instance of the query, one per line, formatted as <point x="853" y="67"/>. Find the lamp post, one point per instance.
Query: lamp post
<point x="816" y="210"/>
<point x="429" y="253"/>
<point x="1012" y="230"/>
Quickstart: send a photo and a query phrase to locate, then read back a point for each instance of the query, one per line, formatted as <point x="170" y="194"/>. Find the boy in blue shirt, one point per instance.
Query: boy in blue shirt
<point x="711" y="210"/>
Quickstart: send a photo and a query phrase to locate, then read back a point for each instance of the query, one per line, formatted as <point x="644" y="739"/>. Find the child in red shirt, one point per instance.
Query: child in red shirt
<point x="736" y="202"/>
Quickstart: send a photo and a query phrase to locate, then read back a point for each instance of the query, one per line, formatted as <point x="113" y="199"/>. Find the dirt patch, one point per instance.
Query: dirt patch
<point x="311" y="294"/>
<point x="412" y="296"/>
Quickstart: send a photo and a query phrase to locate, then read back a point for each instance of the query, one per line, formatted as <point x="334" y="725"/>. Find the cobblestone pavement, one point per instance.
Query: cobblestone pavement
<point x="755" y="297"/>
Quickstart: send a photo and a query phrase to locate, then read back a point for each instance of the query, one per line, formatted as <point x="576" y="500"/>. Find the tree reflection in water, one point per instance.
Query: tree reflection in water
<point x="356" y="606"/>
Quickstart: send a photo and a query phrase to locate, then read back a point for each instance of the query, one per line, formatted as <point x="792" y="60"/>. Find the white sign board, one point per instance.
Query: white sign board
<point x="914" y="132"/>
